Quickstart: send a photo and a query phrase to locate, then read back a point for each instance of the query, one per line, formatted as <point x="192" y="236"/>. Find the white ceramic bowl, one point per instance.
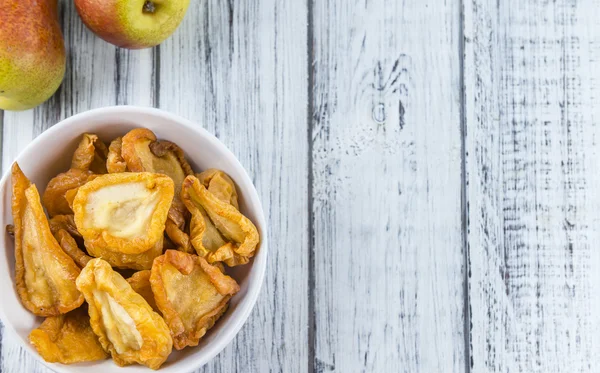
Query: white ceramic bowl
<point x="50" y="153"/>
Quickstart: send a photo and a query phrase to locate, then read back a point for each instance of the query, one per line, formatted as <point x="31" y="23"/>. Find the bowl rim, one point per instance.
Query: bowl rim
<point x="259" y="263"/>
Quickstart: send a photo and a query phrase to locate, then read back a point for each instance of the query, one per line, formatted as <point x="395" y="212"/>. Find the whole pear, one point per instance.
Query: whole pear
<point x="132" y="24"/>
<point x="32" y="53"/>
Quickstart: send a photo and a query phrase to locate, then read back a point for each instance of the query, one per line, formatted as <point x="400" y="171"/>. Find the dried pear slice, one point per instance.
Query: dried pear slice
<point x="220" y="184"/>
<point x="178" y="237"/>
<point x="66" y="222"/>
<point x="54" y="196"/>
<point x="125" y="324"/>
<point x="218" y="231"/>
<point x="67" y="339"/>
<point x="44" y="274"/>
<point x="206" y="238"/>
<point x="90" y="155"/>
<point x="139" y="261"/>
<point x="70" y="247"/>
<point x="143" y="152"/>
<point x="167" y="243"/>
<point x="89" y="159"/>
<point x="70" y="196"/>
<point x="115" y="162"/>
<point x="124" y="212"/>
<point x="177" y="275"/>
<point x="140" y="283"/>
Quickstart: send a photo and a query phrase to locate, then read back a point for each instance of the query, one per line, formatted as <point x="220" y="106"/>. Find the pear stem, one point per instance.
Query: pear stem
<point x="148" y="7"/>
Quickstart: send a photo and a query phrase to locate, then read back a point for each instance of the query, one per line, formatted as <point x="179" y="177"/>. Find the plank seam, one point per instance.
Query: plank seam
<point x="311" y="363"/>
<point x="464" y="201"/>
<point x="117" y="75"/>
<point x="156" y="73"/>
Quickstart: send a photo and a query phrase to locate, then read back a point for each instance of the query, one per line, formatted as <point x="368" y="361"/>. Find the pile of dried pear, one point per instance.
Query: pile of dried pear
<point x="134" y="205"/>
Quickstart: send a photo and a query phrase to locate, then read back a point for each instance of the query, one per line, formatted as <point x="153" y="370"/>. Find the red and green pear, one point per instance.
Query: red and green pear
<point x="132" y="24"/>
<point x="32" y="53"/>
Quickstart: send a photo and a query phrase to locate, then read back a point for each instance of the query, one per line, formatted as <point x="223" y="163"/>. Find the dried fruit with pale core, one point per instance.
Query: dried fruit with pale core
<point x="125" y="324"/>
<point x="143" y="152"/>
<point x="44" y="274"/>
<point x="191" y="295"/>
<point x="88" y="160"/>
<point x="123" y="213"/>
<point x="127" y="219"/>
<point x="218" y="231"/>
<point x="67" y="339"/>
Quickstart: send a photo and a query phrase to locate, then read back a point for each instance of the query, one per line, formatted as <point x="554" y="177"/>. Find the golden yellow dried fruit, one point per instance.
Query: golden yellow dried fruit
<point x="115" y="162"/>
<point x="207" y="240"/>
<point x="168" y="244"/>
<point x="54" y="196"/>
<point x="125" y="324"/>
<point x="140" y="283"/>
<point x="70" y="247"/>
<point x="71" y="193"/>
<point x="89" y="159"/>
<point x="220" y="185"/>
<point x="218" y="231"/>
<point x="66" y="222"/>
<point x="90" y="155"/>
<point x="67" y="339"/>
<point x="44" y="274"/>
<point x="179" y="237"/>
<point x="124" y="213"/>
<point x="143" y="152"/>
<point x="139" y="261"/>
<point x="174" y="276"/>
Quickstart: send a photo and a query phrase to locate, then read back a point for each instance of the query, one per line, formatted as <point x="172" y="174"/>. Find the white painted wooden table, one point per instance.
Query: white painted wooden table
<point x="429" y="170"/>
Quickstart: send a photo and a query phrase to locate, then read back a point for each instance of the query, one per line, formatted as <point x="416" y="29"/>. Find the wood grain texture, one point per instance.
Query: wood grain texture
<point x="98" y="74"/>
<point x="239" y="68"/>
<point x="367" y="229"/>
<point x="388" y="256"/>
<point x="532" y="176"/>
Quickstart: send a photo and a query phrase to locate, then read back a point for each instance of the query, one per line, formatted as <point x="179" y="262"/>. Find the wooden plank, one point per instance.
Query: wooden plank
<point x="98" y="74"/>
<point x="240" y="70"/>
<point x="532" y="171"/>
<point x="388" y="255"/>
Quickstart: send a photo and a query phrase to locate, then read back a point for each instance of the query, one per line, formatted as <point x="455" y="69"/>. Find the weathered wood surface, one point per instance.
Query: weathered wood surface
<point x="430" y="198"/>
<point x="531" y="93"/>
<point x="388" y="253"/>
<point x="240" y="70"/>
